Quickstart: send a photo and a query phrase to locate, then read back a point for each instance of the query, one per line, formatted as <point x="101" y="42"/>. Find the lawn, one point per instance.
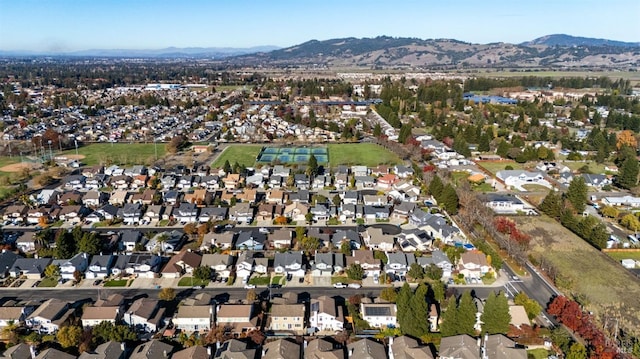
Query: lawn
<point x="539" y="353"/>
<point x="48" y="283"/>
<point x="243" y="154"/>
<point x="618" y="256"/>
<point x="119" y="153"/>
<point x="495" y="166"/>
<point x="278" y="279"/>
<point x="532" y="187"/>
<point x="263" y="280"/>
<point x="365" y="154"/>
<point x="606" y="288"/>
<point x="594" y="167"/>
<point x="191" y="282"/>
<point x="116" y="283"/>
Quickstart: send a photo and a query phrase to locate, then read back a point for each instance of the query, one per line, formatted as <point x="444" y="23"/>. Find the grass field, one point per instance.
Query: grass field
<point x="243" y="154"/>
<point x="119" y="153"/>
<point x="190" y="282"/>
<point x="633" y="76"/>
<point x="48" y="283"/>
<point x="605" y="287"/>
<point x="116" y="283"/>
<point x="262" y="280"/>
<point x="593" y="166"/>
<point x="494" y="167"/>
<point x="618" y="256"/>
<point x="539" y="353"/>
<point x="365" y="154"/>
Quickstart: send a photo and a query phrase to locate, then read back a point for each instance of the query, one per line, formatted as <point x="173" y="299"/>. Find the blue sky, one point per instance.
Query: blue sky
<point x="69" y="25"/>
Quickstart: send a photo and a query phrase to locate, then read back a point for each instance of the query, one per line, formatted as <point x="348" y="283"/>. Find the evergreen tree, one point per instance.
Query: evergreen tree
<point x="403" y="305"/>
<point x="405" y="133"/>
<point x="484" y="144"/>
<point x="65" y="245"/>
<point x="449" y="326"/>
<point x="577" y="194"/>
<point x="503" y="149"/>
<point x="552" y="205"/>
<point x="436" y="187"/>
<point x="419" y="323"/>
<point x="312" y="166"/>
<point x="466" y="315"/>
<point x="628" y="177"/>
<point x="227" y="167"/>
<point x="495" y="316"/>
<point x="377" y="130"/>
<point x="90" y="244"/>
<point x="449" y="199"/>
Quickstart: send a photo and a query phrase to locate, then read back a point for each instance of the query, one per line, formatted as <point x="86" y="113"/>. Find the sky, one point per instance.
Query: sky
<point x="71" y="25"/>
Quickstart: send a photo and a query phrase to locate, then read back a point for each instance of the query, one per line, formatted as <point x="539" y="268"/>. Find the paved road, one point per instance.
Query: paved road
<point x="535" y="287"/>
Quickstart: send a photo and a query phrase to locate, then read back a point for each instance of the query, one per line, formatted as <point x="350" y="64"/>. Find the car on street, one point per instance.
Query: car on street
<point x="249" y="286"/>
<point x="354" y="285"/>
<point x="275" y="285"/>
<point x="339" y="285"/>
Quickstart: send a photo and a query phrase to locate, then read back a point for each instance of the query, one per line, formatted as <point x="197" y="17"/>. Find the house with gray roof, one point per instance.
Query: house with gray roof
<point x="366" y="349"/>
<point x="289" y="263"/>
<point x="398" y="263"/>
<point x="411" y="240"/>
<point x="100" y="266"/>
<point x="153" y="349"/>
<point x="438" y="258"/>
<point x="281" y="349"/>
<point x="108" y="350"/>
<point x="32" y="268"/>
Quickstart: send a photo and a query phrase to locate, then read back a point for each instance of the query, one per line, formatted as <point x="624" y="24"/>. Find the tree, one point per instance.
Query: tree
<point x="227" y="167"/>
<point x="308" y="217"/>
<point x="252" y="296"/>
<point x="577" y="194"/>
<point x="403" y="305"/>
<point x="503" y="148"/>
<point x="466" y="314"/>
<point x="377" y="130"/>
<point x="389" y="294"/>
<point x="52" y="271"/>
<point x="610" y="211"/>
<point x="433" y="272"/>
<point x="65" y="245"/>
<point x="449" y="199"/>
<point x="308" y="244"/>
<point x="202" y="273"/>
<point x="532" y="307"/>
<point x="552" y="205"/>
<point x="107" y="331"/>
<point x="69" y="336"/>
<point x="355" y="272"/>
<point x="405" y="133"/>
<point x="628" y="177"/>
<point x="626" y="138"/>
<point x="336" y="200"/>
<point x="167" y="294"/>
<point x="449" y="326"/>
<point x="484" y="143"/>
<point x="90" y="244"/>
<point x="415" y="271"/>
<point x="495" y="316"/>
<point x="577" y="351"/>
<point x="435" y="186"/>
<point x="280" y="221"/>
<point x="631" y="222"/>
<point x="177" y="143"/>
<point x="312" y="166"/>
<point x="418" y="325"/>
<point x="345" y="248"/>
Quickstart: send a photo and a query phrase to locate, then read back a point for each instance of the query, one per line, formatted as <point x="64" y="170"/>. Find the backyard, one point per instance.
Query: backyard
<point x="604" y="287"/>
<point x="495" y="166"/>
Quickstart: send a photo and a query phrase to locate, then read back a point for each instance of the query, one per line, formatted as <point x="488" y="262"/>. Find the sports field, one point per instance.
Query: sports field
<point x="119" y="153"/>
<point x="366" y="154"/>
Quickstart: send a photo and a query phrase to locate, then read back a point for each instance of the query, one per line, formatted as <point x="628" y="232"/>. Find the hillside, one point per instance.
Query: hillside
<point x="390" y="52"/>
<point x="568" y="40"/>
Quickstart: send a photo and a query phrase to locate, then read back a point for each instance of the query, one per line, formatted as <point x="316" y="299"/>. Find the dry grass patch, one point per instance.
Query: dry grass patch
<point x="598" y="281"/>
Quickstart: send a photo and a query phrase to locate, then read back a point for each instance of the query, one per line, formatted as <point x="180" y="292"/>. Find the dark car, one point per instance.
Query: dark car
<point x="275" y="285"/>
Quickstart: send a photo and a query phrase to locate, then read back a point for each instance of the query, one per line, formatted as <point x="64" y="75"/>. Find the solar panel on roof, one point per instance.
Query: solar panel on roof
<point x="377" y="311"/>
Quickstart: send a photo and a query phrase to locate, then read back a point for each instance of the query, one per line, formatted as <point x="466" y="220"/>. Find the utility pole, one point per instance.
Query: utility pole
<point x="50" y="152"/>
<point x="75" y="142"/>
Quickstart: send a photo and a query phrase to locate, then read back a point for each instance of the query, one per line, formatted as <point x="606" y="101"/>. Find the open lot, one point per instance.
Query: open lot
<point x="495" y="166"/>
<point x="119" y="153"/>
<point x="618" y="256"/>
<point x="243" y="154"/>
<point x="593" y="166"/>
<point x="605" y="287"/>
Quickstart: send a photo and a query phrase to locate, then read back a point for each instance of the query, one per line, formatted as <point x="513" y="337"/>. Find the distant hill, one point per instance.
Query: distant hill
<point x="568" y="40"/>
<point x="414" y="53"/>
<point x="170" y="52"/>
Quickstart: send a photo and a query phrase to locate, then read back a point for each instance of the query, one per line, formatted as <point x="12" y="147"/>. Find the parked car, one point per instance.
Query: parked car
<point x="339" y="285"/>
<point x="275" y="285"/>
<point x="249" y="286"/>
<point x="354" y="285"/>
<point x="376" y="278"/>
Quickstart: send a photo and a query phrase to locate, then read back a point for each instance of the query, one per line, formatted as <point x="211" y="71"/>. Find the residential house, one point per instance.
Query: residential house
<point x="374" y="238"/>
<point x="232" y="181"/>
<point x="186" y="213"/>
<point x="168" y="181"/>
<point x="108" y="350"/>
<point x="280" y="170"/>
<point x="107" y="212"/>
<point x="31" y="268"/>
<point x="143" y="265"/>
<point x="147" y="197"/>
<point x="440" y="259"/>
<point x="14" y="315"/>
<point x="438" y="228"/>
<point x="398" y="263"/>
<point x="129" y="239"/>
<point x="325" y="264"/>
<point x="411" y="240"/>
<point x="222" y="240"/>
<point x="380" y="170"/>
<point x="222" y="264"/>
<point x="121" y="182"/>
<point x="241" y="213"/>
<point x="145" y="314"/>
<point x="244" y="265"/>
<point x="72" y="182"/>
<point x="253" y="240"/>
<point x="92" y="316"/>
<point x="387" y="180"/>
<point x="403" y="210"/>
<point x="289" y="263"/>
<point x="255" y="180"/>
<point x="52" y="353"/>
<point x="171" y="197"/>
<point x="301" y="196"/>
<point x="153" y="349"/>
<point x="320" y="212"/>
<point x="7" y="260"/>
<point x="96" y="182"/>
<point x="281" y="349"/>
<point x="15" y="213"/>
<point x="95" y="199"/>
<point x="275" y="196"/>
<point x="26" y="242"/>
<point x="265" y="212"/>
<point x="72" y="214"/>
<point x="517" y="177"/>
<point x="288" y="318"/>
<point x="167" y="242"/>
<point x="359" y="170"/>
<point x="276" y="181"/>
<point x="100" y="266"/>
<point x="403" y="171"/>
<point x="185" y="182"/>
<point x="193" y="318"/>
<point x="239" y="318"/>
<point x="346" y="235"/>
<point x="281" y="238"/>
<point x="596" y="180"/>
<point x="194" y="352"/>
<point x="326" y="315"/>
<point x="503" y="203"/>
<point x="322" y="236"/>
<point x="405" y="347"/>
<point x="234" y="348"/>
<point x="184" y="262"/>
<point x="70" y="198"/>
<point x="49" y="316"/>
<point x="627" y="201"/>
<point x="375" y="200"/>
<point x="118" y="197"/>
<point x="296" y="211"/>
<point x="494" y="346"/>
<point x="341" y="181"/>
<point x="367" y="261"/>
<point x="79" y="263"/>
<point x="213" y="214"/>
<point x="380" y="315"/>
<point x="131" y="213"/>
<point x="474" y="265"/>
<point x="365" y="182"/>
<point x="247" y="195"/>
<point x="324" y="347"/>
<point x="210" y="182"/>
<point x="372" y="213"/>
<point x="349" y="212"/>
<point x="302" y="181"/>
<point x="366" y="349"/>
<point x="153" y="213"/>
<point x="350" y="197"/>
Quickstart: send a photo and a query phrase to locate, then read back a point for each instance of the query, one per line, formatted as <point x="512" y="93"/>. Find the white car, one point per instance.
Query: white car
<point x="354" y="285"/>
<point x="339" y="285"/>
<point x="249" y="286"/>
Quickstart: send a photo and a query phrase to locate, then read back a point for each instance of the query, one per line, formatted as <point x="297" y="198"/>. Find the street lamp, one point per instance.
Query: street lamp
<point x="50" y="153"/>
<point x="75" y="142"/>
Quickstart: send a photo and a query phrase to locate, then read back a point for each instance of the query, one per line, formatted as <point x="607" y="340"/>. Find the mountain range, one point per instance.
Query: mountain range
<point x="551" y="51"/>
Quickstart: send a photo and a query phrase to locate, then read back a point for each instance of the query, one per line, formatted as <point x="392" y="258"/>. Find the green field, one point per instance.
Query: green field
<point x="494" y="167"/>
<point x="116" y="283"/>
<point x="593" y="166"/>
<point x="48" y="283"/>
<point x="119" y="153"/>
<point x="191" y="282"/>
<point x="243" y="154"/>
<point x="364" y="154"/>
<point x="618" y="256"/>
<point x="626" y="75"/>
